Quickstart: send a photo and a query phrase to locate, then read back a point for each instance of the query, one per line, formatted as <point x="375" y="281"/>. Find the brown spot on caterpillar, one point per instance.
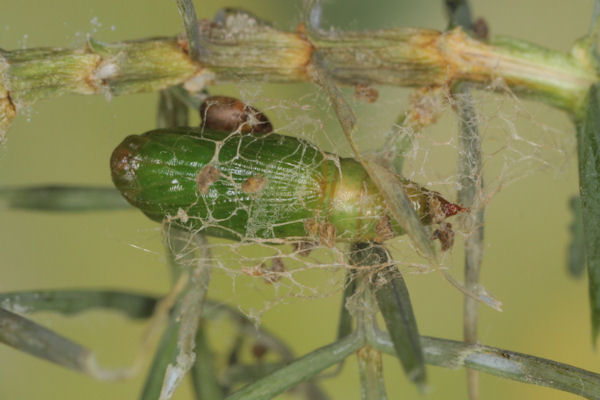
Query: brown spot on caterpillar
<point x="384" y="230"/>
<point x="366" y="93"/>
<point x="254" y="184"/>
<point x="206" y="177"/>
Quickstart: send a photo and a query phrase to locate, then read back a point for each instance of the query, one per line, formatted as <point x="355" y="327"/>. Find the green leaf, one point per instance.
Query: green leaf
<point x="75" y="301"/>
<point x="345" y="323"/>
<point x="172" y="111"/>
<point x="29" y="337"/>
<point x="459" y="13"/>
<point x="575" y="255"/>
<point x="62" y="198"/>
<point x="394" y="303"/>
<point x="299" y="370"/>
<point x="164" y="356"/>
<point x="204" y="378"/>
<point x="588" y="144"/>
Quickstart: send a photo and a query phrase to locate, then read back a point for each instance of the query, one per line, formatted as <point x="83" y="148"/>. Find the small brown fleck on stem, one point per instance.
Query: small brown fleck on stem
<point x="384" y="230"/>
<point x="445" y="235"/>
<point x="366" y="93"/>
<point x="327" y="234"/>
<point x="254" y="184"/>
<point x="206" y="177"/>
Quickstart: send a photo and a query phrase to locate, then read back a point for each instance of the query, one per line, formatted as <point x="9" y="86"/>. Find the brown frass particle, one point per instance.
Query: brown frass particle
<point x="206" y="177"/>
<point x="254" y="184"/>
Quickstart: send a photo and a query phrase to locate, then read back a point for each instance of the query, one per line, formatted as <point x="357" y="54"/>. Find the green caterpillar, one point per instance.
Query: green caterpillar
<point x="258" y="186"/>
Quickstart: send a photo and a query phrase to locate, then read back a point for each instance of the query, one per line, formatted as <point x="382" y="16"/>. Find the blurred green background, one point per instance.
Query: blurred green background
<point x="69" y="140"/>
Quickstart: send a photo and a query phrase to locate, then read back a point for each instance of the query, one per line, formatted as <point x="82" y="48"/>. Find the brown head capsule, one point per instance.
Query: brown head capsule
<point x="227" y="114"/>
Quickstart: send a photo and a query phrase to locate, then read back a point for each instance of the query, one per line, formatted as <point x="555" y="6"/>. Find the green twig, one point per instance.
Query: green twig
<point x="190" y="22"/>
<point x="439" y="352"/>
<point x="260" y="53"/>
<point x="470" y="177"/>
<point x="370" y="369"/>
<point x="300" y="370"/>
<point x="245" y="373"/>
<point x="345" y="322"/>
<point x="503" y="363"/>
<point x="190" y="252"/>
<point x="29" y="337"/>
<point x="204" y="376"/>
<point x="172" y="111"/>
<point x="588" y="145"/>
<point x="576" y="251"/>
<point x="68" y="301"/>
<point x="390" y="291"/>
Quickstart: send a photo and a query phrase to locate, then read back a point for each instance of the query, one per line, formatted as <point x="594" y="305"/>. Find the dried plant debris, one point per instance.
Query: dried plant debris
<point x="327" y="234"/>
<point x="384" y="230"/>
<point x="445" y="235"/>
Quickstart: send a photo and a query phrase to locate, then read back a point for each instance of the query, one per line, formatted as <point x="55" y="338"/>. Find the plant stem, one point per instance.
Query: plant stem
<point x="503" y="363"/>
<point x="172" y="111"/>
<point x="440" y="352"/>
<point x="470" y="176"/>
<point x="204" y="378"/>
<point x="471" y="186"/>
<point x="190" y="251"/>
<point x="372" y="385"/>
<point x="260" y="53"/>
<point x="300" y="370"/>
<point x="190" y="22"/>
